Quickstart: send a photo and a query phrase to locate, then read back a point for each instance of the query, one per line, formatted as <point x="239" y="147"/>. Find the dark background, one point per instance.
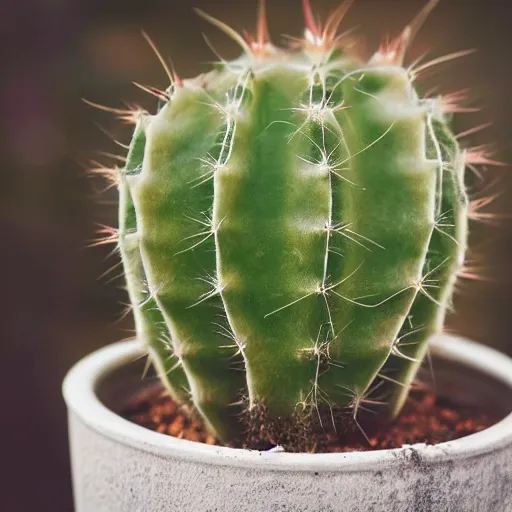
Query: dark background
<point x="55" y="306"/>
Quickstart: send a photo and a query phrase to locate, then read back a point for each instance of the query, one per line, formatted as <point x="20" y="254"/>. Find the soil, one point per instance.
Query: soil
<point x="424" y="419"/>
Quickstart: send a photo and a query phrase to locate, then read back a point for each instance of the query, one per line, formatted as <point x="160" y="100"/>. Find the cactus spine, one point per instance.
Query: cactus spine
<point x="292" y="224"/>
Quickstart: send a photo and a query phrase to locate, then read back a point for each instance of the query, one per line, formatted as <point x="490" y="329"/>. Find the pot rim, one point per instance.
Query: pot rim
<point x="79" y="390"/>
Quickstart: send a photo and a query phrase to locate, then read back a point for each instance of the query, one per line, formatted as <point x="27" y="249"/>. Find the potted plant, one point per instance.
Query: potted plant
<point x="292" y="225"/>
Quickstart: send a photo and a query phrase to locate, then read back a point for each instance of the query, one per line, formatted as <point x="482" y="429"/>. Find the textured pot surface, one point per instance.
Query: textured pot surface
<point x="120" y="467"/>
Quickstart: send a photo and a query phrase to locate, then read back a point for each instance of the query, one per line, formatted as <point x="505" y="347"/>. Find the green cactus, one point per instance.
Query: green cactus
<point x="292" y="226"/>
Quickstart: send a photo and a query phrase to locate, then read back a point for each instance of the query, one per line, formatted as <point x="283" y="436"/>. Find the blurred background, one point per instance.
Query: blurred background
<point x="60" y="299"/>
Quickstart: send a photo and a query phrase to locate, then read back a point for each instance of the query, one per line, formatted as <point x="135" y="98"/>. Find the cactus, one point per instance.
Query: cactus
<point x="292" y="225"/>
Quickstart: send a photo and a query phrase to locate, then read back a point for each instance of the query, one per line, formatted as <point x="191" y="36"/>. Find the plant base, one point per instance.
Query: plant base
<point x="426" y="418"/>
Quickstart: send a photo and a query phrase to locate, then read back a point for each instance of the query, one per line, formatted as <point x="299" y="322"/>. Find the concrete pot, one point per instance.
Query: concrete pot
<point x="118" y="466"/>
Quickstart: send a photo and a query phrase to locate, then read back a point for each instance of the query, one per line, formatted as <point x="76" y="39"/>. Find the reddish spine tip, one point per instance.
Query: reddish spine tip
<point x="335" y="19"/>
<point x="309" y="18"/>
<point x="263" y="35"/>
<point x="110" y="236"/>
<point x="481" y="155"/>
<point x="153" y="91"/>
<point x="177" y="80"/>
<point x="249" y="38"/>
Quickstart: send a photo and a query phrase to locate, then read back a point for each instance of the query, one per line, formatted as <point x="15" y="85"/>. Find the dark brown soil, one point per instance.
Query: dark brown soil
<point x="425" y="419"/>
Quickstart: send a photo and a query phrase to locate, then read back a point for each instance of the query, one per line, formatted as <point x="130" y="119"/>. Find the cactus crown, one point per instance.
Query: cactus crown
<point x="291" y="226"/>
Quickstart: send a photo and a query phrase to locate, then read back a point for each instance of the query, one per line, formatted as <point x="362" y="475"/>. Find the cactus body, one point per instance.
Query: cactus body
<point x="293" y="223"/>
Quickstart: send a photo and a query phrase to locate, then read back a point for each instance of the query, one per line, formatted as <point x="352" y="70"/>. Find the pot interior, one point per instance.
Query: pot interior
<point x="460" y="384"/>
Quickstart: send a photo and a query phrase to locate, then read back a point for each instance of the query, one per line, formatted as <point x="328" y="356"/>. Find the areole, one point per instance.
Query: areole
<point x="118" y="465"/>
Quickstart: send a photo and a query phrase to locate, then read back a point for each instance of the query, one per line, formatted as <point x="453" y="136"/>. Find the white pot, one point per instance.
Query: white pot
<point x="118" y="466"/>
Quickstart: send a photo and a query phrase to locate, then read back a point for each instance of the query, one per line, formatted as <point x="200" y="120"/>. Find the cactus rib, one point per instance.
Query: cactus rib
<point x="150" y="325"/>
